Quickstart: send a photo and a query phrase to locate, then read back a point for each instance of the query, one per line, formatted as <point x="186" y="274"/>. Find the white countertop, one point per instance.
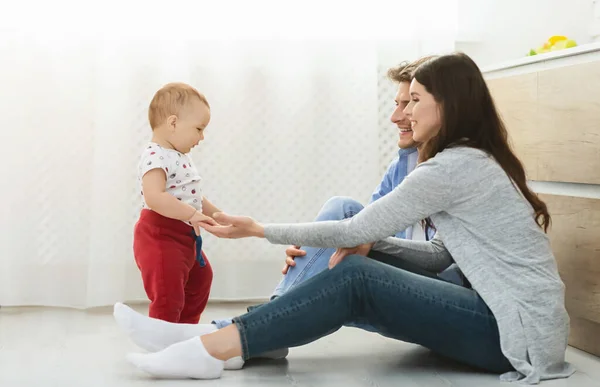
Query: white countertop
<point x="579" y="50"/>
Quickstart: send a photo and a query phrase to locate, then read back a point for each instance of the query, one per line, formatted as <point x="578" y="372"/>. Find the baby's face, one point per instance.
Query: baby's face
<point x="190" y="126"/>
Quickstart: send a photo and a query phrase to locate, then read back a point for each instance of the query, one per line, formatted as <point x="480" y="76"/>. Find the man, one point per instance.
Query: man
<point x="338" y="208"/>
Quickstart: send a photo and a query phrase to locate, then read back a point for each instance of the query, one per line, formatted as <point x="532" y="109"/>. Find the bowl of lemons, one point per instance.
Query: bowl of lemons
<point x="555" y="43"/>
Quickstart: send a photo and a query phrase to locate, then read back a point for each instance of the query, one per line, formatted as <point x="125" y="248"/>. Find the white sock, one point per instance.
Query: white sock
<point x="153" y="334"/>
<point x="187" y="359"/>
<point x="234" y="364"/>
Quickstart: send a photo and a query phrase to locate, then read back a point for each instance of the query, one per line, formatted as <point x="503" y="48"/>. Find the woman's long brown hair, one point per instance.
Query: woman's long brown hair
<point x="470" y="118"/>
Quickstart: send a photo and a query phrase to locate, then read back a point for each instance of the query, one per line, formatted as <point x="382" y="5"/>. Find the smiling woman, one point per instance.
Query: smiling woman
<point x="423" y="112"/>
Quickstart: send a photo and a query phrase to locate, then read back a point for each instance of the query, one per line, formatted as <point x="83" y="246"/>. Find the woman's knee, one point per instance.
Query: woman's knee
<point x="369" y="270"/>
<point x="352" y="265"/>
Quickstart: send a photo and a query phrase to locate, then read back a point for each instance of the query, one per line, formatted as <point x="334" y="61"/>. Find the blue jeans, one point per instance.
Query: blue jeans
<point x="448" y="319"/>
<point x="317" y="259"/>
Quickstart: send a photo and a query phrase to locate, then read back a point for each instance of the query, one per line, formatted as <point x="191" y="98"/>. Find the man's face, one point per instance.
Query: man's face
<point x="398" y="117"/>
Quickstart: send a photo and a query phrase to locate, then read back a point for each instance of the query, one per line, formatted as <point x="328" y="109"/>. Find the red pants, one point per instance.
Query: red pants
<point x="165" y="253"/>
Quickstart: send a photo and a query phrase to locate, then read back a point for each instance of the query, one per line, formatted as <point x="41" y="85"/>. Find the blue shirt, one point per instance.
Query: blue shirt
<point x="396" y="172"/>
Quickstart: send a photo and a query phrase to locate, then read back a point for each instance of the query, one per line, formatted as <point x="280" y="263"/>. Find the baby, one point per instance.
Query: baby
<point x="167" y="244"/>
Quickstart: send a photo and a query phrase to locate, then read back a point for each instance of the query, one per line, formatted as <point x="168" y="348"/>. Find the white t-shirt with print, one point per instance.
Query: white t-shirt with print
<point x="183" y="180"/>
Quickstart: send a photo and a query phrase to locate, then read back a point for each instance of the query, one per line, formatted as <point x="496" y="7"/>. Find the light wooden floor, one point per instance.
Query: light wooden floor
<point x="62" y="348"/>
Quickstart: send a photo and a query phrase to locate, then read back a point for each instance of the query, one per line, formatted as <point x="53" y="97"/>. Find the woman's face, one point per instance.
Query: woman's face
<point x="423" y="112"/>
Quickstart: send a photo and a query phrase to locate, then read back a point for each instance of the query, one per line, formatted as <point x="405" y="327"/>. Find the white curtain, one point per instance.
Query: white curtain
<point x="293" y="123"/>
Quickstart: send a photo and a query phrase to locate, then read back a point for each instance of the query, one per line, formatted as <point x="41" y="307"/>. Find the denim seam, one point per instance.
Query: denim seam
<point x="430" y="299"/>
<point x="241" y="326"/>
<point x="288" y="308"/>
<point x="310" y="264"/>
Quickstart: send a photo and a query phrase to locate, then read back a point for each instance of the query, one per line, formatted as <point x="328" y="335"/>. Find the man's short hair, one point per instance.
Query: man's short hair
<point x="404" y="71"/>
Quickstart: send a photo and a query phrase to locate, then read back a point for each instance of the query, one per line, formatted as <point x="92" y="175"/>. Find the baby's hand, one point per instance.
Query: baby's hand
<point x="199" y="218"/>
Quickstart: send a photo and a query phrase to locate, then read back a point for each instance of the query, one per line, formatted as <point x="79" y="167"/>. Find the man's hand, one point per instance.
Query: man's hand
<point x="342" y="253"/>
<point x="291" y="253"/>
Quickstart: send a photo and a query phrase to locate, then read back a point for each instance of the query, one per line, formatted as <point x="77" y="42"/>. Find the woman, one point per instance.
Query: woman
<point x="473" y="188"/>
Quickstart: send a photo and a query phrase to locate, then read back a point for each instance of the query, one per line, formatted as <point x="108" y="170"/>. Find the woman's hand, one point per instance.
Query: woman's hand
<point x="198" y="219"/>
<point x="342" y="253"/>
<point x="234" y="227"/>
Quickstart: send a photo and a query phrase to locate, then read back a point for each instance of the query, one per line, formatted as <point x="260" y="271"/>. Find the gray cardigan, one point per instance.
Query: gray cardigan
<point x="489" y="229"/>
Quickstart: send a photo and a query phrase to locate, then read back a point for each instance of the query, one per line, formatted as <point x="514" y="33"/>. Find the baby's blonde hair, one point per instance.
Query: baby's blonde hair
<point x="169" y="100"/>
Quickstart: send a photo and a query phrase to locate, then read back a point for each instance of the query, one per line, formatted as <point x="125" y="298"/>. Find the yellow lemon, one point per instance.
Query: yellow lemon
<point x="560" y="45"/>
<point x="556" y="38"/>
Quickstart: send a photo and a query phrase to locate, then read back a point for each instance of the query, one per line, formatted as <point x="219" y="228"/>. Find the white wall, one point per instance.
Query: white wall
<point x="595" y="28"/>
<point x="493" y="31"/>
